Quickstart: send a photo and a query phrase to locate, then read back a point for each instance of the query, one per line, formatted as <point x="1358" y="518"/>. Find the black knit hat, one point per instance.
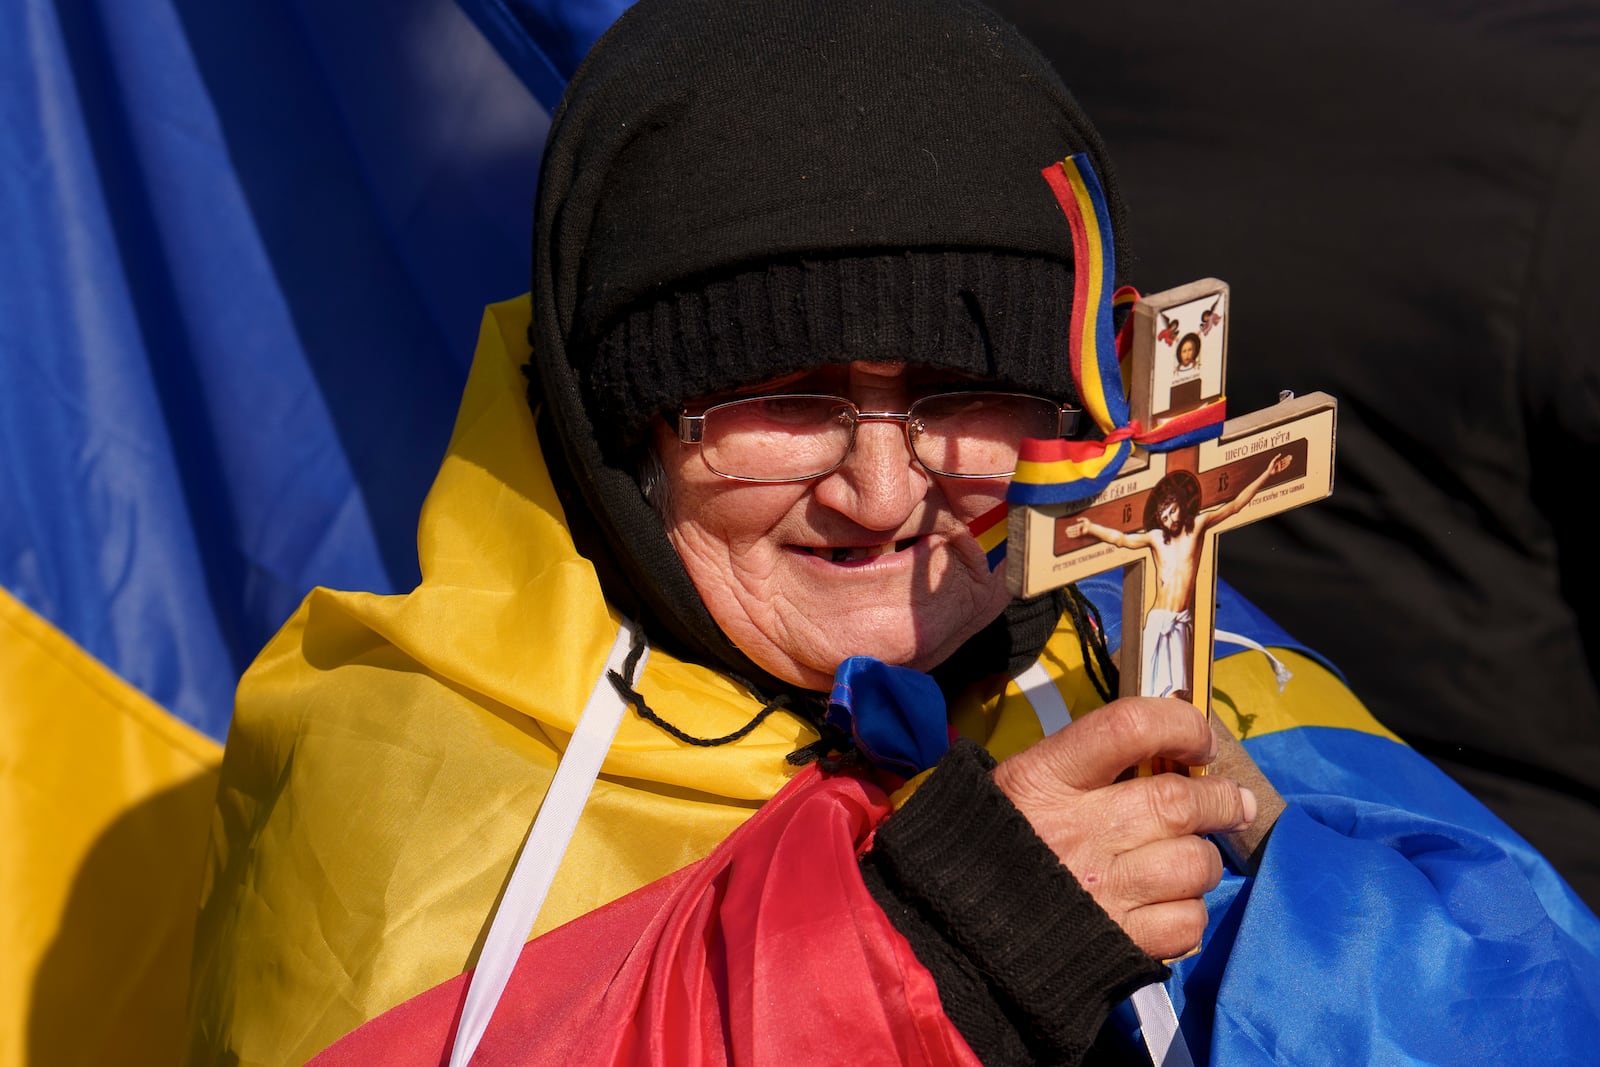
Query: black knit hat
<point x="735" y="189"/>
<point x="1000" y="317"/>
<point x="752" y="173"/>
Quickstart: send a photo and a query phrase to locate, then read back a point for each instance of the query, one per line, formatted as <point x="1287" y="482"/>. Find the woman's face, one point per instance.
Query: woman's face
<point x="873" y="559"/>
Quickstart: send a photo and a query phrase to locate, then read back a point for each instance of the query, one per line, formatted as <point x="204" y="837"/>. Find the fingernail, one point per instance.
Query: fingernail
<point x="1249" y="800"/>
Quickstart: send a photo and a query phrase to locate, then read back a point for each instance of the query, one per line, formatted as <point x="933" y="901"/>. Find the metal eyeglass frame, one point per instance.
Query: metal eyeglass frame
<point x="691" y="429"/>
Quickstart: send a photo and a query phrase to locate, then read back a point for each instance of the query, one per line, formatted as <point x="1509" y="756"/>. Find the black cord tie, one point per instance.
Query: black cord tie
<point x="834" y="751"/>
<point x="1097" y="661"/>
<point x="623" y="684"/>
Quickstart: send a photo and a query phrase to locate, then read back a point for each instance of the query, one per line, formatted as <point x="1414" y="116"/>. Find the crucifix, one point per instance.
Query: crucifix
<point x="1160" y="517"/>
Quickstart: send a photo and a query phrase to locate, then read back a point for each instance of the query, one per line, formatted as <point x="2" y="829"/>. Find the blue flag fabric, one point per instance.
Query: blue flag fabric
<point x="1393" y="920"/>
<point x="896" y="715"/>
<point x="246" y="250"/>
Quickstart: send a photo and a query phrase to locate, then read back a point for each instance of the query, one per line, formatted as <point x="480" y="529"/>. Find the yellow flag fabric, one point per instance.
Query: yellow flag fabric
<point x="104" y="800"/>
<point x="388" y="754"/>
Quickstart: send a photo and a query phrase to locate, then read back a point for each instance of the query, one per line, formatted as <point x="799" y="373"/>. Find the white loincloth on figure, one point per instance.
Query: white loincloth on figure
<point x="1168" y="637"/>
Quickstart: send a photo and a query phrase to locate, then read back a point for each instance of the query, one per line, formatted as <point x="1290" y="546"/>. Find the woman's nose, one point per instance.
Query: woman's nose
<point x="879" y="484"/>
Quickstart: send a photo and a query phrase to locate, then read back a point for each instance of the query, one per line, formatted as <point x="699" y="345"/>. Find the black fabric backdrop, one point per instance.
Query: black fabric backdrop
<point x="1403" y="199"/>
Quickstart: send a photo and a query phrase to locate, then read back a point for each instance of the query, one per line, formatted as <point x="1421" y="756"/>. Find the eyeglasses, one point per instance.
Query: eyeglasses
<point x="796" y="437"/>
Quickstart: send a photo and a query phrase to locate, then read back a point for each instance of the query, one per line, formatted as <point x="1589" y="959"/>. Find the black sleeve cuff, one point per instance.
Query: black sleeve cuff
<point x="1027" y="964"/>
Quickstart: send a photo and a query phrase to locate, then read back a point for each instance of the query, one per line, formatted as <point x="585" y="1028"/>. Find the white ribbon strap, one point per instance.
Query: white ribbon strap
<point x="1159" y="1023"/>
<point x="1279" y="671"/>
<point x="1041" y="692"/>
<point x="542" y="852"/>
<point x="1157" y="1019"/>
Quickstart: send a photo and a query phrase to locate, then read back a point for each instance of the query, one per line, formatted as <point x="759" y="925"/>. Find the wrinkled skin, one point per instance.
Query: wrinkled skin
<point x="752" y="550"/>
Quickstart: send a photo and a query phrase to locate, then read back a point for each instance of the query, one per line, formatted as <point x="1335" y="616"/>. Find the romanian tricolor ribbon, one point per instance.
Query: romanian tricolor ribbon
<point x="1091" y="346"/>
<point x="990" y="529"/>
<point x="1059" y="471"/>
<point x="1047" y="469"/>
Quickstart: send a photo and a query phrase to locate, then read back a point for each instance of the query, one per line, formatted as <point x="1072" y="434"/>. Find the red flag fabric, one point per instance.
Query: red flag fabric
<point x="769" y="950"/>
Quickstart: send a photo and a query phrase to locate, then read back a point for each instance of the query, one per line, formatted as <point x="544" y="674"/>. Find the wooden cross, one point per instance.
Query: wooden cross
<point x="1160" y="518"/>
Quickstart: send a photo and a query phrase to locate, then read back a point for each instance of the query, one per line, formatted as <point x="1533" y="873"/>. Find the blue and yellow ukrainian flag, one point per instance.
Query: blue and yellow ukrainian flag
<point x="245" y="252"/>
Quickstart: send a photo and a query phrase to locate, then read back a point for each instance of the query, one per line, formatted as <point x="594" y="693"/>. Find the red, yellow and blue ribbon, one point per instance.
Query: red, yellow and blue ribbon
<point x="990" y="529"/>
<point x="1091" y="346"/>
<point x="1059" y="471"/>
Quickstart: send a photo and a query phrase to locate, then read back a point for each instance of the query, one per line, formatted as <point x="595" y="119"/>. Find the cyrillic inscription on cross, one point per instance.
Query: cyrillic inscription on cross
<point x="1160" y="518"/>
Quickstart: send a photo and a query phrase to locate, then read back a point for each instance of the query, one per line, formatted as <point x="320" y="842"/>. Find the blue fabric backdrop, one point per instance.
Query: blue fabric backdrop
<point x="247" y="246"/>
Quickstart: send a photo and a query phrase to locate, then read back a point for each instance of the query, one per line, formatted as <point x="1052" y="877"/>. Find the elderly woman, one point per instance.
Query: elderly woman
<point x="799" y="291"/>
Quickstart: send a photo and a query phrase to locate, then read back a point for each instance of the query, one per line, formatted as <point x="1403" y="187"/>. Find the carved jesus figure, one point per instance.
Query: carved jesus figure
<point x="1175" y="529"/>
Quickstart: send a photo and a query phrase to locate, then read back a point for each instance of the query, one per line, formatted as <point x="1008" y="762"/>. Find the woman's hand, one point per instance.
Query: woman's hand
<point x="1137" y="845"/>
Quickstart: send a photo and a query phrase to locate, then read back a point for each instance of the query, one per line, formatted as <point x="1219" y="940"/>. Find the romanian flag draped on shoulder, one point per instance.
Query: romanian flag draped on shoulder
<point x="246" y="251"/>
